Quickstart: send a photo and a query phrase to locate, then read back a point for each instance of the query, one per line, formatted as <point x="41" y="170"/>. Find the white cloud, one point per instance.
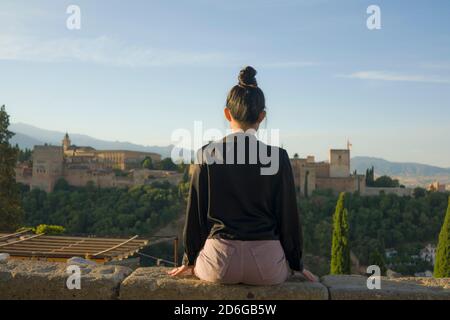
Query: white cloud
<point x="108" y="51"/>
<point x="100" y="50"/>
<point x="390" y="76"/>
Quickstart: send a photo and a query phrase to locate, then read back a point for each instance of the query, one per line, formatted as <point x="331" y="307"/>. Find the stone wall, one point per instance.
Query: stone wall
<point x="350" y="184"/>
<point x="47" y="167"/>
<point x="21" y="280"/>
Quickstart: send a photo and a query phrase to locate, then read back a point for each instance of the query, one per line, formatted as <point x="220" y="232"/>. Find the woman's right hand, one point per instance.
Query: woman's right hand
<point x="309" y="276"/>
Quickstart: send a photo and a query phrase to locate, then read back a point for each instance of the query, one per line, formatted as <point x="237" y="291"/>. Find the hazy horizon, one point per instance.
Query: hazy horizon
<point x="138" y="71"/>
<point x="291" y="152"/>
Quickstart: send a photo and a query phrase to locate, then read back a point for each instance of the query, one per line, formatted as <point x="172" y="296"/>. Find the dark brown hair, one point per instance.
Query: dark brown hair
<point x="245" y="100"/>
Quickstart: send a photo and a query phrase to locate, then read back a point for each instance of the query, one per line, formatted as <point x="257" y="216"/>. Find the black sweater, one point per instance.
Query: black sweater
<point x="235" y="201"/>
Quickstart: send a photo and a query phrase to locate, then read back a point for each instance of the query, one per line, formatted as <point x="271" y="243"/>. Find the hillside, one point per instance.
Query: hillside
<point x="384" y="167"/>
<point x="24" y="141"/>
<point x="409" y="173"/>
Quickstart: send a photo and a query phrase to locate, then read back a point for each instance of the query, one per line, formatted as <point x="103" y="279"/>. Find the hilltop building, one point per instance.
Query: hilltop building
<point x="429" y="253"/>
<point x="104" y="159"/>
<point x="334" y="174"/>
<point x="81" y="165"/>
<point x="437" y="187"/>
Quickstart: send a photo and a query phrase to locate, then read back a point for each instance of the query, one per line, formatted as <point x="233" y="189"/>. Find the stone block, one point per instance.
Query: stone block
<point x="26" y="280"/>
<point x="155" y="284"/>
<point x="353" y="287"/>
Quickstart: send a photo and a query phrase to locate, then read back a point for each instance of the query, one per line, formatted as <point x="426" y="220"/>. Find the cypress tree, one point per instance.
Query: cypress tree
<point x="340" y="251"/>
<point x="370" y="177"/>
<point x="306" y="184"/>
<point x="376" y="258"/>
<point x="442" y="264"/>
<point x="10" y="209"/>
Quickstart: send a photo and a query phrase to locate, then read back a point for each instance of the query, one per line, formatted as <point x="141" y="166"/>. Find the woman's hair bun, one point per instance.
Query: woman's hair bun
<point x="247" y="77"/>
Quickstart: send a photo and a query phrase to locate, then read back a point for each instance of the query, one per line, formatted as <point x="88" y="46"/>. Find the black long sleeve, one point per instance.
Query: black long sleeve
<point x="291" y="234"/>
<point x="236" y="201"/>
<point x="195" y="228"/>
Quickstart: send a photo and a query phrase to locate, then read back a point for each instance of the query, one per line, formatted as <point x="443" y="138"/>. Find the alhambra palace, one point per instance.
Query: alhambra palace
<point x="82" y="165"/>
<point x="334" y="174"/>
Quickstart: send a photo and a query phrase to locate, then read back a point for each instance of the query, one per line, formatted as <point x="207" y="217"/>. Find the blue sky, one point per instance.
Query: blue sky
<point x="138" y="70"/>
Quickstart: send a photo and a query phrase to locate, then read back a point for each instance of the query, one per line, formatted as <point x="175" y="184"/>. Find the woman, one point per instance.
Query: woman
<point x="242" y="226"/>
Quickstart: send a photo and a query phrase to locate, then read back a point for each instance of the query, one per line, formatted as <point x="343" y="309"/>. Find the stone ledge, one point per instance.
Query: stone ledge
<point x="26" y="280"/>
<point x="37" y="280"/>
<point x="353" y="287"/>
<point x="426" y="282"/>
<point x="154" y="283"/>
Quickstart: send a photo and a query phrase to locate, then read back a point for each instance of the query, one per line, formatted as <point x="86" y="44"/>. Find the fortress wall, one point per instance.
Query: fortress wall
<point x="322" y="169"/>
<point x="22" y="176"/>
<point x="47" y="167"/>
<point x="349" y="184"/>
<point x="77" y="178"/>
<point x="301" y="168"/>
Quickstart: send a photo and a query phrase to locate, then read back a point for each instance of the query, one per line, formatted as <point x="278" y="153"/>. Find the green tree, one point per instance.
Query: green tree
<point x="10" y="208"/>
<point x="376" y="258"/>
<point x="419" y="192"/>
<point x="24" y="155"/>
<point x="340" y="251"/>
<point x="370" y="177"/>
<point x="442" y="265"/>
<point x="49" y="229"/>
<point x="61" y="185"/>
<point x="104" y="211"/>
<point x="166" y="164"/>
<point x="147" y="163"/>
<point x="386" y="182"/>
<point x="306" y="184"/>
<point x="186" y="176"/>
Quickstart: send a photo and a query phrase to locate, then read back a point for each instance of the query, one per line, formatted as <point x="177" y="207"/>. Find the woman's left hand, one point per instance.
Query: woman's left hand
<point x="181" y="271"/>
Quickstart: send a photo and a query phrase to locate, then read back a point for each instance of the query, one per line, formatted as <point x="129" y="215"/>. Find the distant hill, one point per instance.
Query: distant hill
<point x="28" y="136"/>
<point x="24" y="141"/>
<point x="384" y="167"/>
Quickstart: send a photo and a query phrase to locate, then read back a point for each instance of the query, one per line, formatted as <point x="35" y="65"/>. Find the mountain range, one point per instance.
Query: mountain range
<point x="384" y="167"/>
<point x="409" y="173"/>
<point x="27" y="136"/>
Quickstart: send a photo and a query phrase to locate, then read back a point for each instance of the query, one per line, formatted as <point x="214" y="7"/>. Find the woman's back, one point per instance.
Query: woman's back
<point x="242" y="200"/>
<point x="242" y="222"/>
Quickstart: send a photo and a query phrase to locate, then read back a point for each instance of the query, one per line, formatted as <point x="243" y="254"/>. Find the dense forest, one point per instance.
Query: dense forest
<point x="376" y="223"/>
<point x="104" y="212"/>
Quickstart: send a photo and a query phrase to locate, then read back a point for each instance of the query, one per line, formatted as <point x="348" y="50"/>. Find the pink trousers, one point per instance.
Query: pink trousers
<point x="260" y="262"/>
